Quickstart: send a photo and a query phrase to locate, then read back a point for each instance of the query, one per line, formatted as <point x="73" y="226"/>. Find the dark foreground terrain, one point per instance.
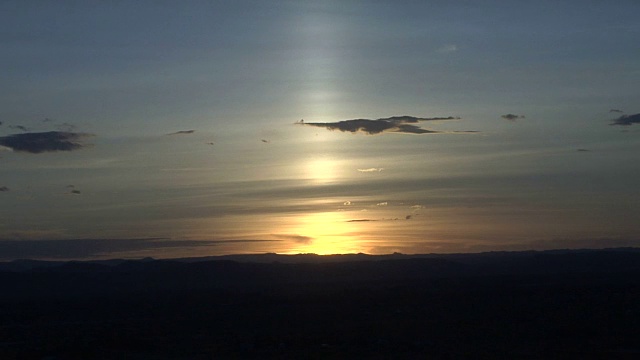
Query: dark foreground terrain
<point x="529" y="305"/>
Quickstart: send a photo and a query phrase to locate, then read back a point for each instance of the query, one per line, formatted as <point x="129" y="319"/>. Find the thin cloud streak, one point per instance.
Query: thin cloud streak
<point x="512" y="117"/>
<point x="182" y="132"/>
<point x="36" y="143"/>
<point x="300" y="239"/>
<point x="93" y="248"/>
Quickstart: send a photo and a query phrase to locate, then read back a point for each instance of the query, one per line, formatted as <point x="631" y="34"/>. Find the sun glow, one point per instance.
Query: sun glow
<point x="327" y="233"/>
<point x="321" y="170"/>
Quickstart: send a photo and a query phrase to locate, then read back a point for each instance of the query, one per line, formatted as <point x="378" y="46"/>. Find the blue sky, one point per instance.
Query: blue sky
<point x="533" y="162"/>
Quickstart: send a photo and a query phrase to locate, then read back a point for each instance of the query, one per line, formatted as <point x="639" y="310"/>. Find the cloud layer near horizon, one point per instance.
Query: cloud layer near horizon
<point x="90" y="248"/>
<point x="40" y="142"/>
<point x="399" y="124"/>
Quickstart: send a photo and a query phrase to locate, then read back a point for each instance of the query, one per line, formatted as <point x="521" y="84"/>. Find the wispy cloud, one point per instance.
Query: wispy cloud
<point x="370" y="170"/>
<point x="3" y="188"/>
<point x="384" y="203"/>
<point x="616" y="111"/>
<point x="398" y="124"/>
<point x="449" y="48"/>
<point x="51" y="141"/>
<point x="626" y="120"/>
<point x="512" y="117"/>
<point x="182" y="132"/>
<point x="300" y="239"/>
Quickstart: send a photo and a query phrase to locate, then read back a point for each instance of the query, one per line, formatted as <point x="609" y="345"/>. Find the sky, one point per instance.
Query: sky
<point x="196" y="128"/>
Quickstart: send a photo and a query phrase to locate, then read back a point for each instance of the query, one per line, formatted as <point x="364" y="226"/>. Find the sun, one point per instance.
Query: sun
<point x="321" y="170"/>
<point x="328" y="233"/>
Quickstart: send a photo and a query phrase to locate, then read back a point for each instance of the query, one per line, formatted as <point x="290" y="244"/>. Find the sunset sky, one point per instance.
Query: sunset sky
<point x="196" y="128"/>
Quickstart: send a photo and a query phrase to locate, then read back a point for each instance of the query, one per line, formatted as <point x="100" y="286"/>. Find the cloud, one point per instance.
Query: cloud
<point x="398" y="124"/>
<point x="91" y="248"/>
<point x="300" y="239"/>
<point x="182" y="132"/>
<point x="449" y="48"/>
<point x="512" y="117"/>
<point x="3" y="188"/>
<point x="583" y="150"/>
<point x="626" y="120"/>
<point x="360" y="220"/>
<point x="370" y="170"/>
<point x="36" y="143"/>
<point x="346" y="203"/>
<point x="616" y="111"/>
<point x="75" y="192"/>
<point x="384" y="203"/>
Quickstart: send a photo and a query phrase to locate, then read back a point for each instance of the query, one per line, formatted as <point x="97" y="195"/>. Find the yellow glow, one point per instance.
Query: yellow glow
<point x="321" y="170"/>
<point x="329" y="233"/>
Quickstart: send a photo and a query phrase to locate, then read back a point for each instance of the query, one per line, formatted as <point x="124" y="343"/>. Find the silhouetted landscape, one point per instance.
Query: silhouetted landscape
<point x="525" y="305"/>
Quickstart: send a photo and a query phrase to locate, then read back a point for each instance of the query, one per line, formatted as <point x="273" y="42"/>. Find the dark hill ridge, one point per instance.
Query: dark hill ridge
<point x="523" y="305"/>
<point x="75" y="278"/>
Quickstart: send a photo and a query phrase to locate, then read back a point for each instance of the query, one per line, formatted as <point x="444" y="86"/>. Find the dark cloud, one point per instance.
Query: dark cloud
<point x="400" y="124"/>
<point x="360" y="220"/>
<point x="512" y="117"/>
<point x="73" y="190"/>
<point x="626" y="120"/>
<point x="583" y="150"/>
<point x="91" y="248"/>
<point x="36" y="143"/>
<point x="616" y="111"/>
<point x="408" y="217"/>
<point x="3" y="188"/>
<point x="264" y="141"/>
<point x="182" y="132"/>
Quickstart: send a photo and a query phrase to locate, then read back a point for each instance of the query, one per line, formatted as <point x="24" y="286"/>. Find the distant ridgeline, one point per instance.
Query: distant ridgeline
<point x="30" y="277"/>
